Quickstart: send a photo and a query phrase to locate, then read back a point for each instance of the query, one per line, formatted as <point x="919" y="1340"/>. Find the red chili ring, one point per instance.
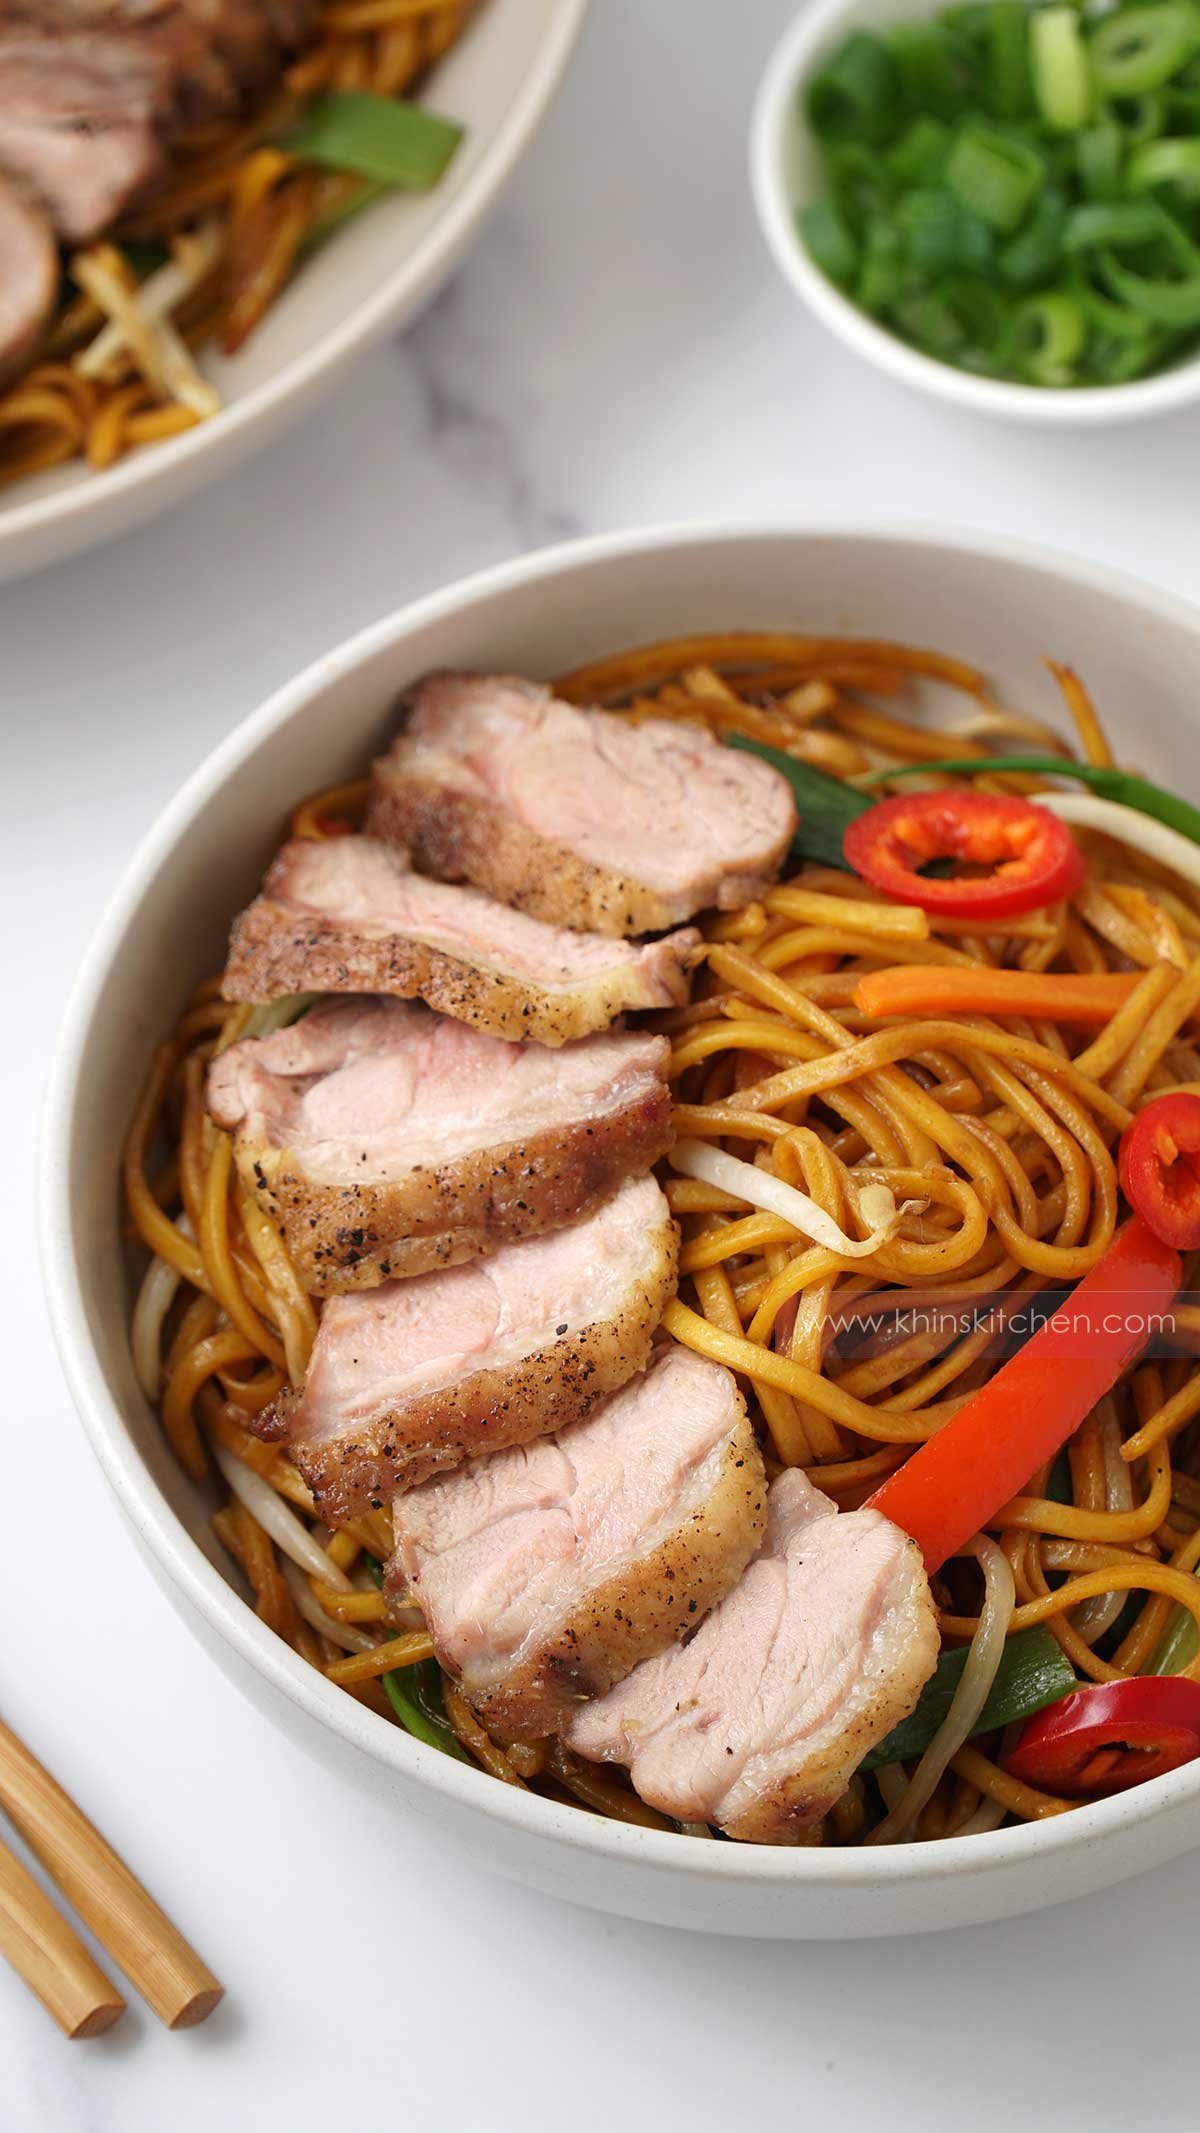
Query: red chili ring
<point x="1032" y="856"/>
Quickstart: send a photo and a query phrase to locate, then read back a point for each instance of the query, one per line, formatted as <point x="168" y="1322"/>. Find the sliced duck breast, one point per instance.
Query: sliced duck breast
<point x="418" y="1375"/>
<point x="581" y="818"/>
<point x="759" y="1723"/>
<point x="546" y="1572"/>
<point x="29" y="284"/>
<point x="386" y="1140"/>
<point x="347" y="914"/>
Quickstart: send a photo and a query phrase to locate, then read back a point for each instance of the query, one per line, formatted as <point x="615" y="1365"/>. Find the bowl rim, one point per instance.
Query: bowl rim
<point x="774" y="114"/>
<point x="307" y="372"/>
<point x="188" y="1570"/>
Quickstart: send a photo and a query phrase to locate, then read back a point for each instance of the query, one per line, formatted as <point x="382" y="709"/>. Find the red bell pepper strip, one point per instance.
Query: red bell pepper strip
<point x="1107" y="1738"/>
<point x="1160" y="1168"/>
<point x="1030" y="856"/>
<point x="957" y="1480"/>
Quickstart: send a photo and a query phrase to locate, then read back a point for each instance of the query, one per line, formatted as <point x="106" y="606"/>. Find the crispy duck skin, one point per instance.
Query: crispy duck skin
<point x="581" y="818"/>
<point x="414" y="1377"/>
<point x="385" y="1140"/>
<point x="348" y="915"/>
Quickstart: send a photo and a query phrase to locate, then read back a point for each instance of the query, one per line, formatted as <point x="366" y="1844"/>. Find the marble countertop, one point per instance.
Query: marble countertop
<point x="618" y="350"/>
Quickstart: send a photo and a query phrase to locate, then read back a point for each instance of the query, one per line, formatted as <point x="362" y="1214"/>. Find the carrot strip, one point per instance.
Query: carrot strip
<point x="949" y="989"/>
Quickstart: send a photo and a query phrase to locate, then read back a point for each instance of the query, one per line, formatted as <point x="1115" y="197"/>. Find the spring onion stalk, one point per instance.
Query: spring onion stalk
<point x="975" y="1684"/>
<point x="1033" y="1671"/>
<point x="307" y="1604"/>
<point x="375" y="137"/>
<point x="761" y="1188"/>
<point x="825" y="806"/>
<point x="1178" y="1645"/>
<point x="1122" y="786"/>
<point x="415" y="1695"/>
<point x="273" y="1515"/>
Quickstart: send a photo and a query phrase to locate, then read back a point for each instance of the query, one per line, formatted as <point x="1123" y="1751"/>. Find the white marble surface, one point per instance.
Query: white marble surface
<point x="619" y="350"/>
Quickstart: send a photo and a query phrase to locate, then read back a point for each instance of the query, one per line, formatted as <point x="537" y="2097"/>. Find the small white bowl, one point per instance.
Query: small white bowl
<point x="373" y="277"/>
<point x="786" y="174"/>
<point x="996" y="603"/>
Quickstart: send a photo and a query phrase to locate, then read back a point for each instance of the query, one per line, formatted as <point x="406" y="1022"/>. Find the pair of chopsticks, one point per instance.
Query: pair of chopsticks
<point x="47" y="1952"/>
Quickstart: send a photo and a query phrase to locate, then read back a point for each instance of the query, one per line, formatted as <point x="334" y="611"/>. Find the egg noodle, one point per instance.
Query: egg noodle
<point x="234" y="220"/>
<point x="995" y="1137"/>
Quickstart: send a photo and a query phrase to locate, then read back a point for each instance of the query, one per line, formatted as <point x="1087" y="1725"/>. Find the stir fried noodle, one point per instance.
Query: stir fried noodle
<point x="235" y="220"/>
<point x="994" y="1137"/>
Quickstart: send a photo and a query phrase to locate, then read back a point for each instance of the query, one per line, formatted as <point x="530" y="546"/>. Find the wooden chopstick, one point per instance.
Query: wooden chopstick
<point x="140" y="1938"/>
<point x="50" y="1956"/>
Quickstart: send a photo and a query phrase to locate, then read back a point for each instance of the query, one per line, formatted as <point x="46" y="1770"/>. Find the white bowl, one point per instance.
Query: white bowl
<point x="785" y="173"/>
<point x="998" y="604"/>
<point x="372" y="278"/>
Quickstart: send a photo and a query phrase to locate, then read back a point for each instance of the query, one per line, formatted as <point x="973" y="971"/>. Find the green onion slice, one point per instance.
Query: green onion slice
<point x="375" y="137"/>
<point x="1062" y="74"/>
<point x="994" y="177"/>
<point x="1110" y="783"/>
<point x="1033" y="1672"/>
<point x="1140" y="48"/>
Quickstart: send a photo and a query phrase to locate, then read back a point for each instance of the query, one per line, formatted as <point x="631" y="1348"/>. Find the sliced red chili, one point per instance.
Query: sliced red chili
<point x="1107" y="1738"/>
<point x="1030" y="857"/>
<point x="1160" y="1168"/>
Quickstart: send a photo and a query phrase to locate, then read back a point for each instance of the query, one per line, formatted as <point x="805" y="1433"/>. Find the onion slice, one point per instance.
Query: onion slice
<point x="974" y="1688"/>
<point x="1129" y="826"/>
<point x="308" y="1605"/>
<point x="876" y="1202"/>
<point x="273" y="1515"/>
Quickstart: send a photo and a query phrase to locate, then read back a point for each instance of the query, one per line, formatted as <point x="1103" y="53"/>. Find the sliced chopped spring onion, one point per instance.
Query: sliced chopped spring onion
<point x="760" y="1188"/>
<point x="1140" y="48"/>
<point x="1062" y="73"/>
<point x="1050" y="332"/>
<point x="930" y="76"/>
<point x="375" y="137"/>
<point x="994" y="176"/>
<point x="1010" y="74"/>
<point x="1169" y="162"/>
<point x="828" y="236"/>
<point x="855" y="96"/>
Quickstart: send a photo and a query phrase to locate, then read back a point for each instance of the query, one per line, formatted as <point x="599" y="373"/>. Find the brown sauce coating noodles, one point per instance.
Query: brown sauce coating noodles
<point x="1002" y="1132"/>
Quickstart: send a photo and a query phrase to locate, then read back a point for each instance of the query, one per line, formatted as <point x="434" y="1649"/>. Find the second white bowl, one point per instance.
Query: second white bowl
<point x="786" y="174"/>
